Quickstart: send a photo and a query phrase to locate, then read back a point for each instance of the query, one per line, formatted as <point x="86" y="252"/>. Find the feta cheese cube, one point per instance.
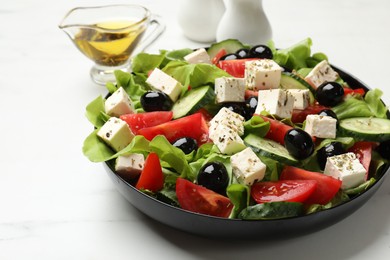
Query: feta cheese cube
<point x="227" y="140"/>
<point x="321" y="126"/>
<point x="301" y="98"/>
<point x="161" y="81"/>
<point x="116" y="133"/>
<point x="247" y="167"/>
<point x="347" y="168"/>
<point x="119" y="103"/>
<point x="278" y="102"/>
<point x="230" y="89"/>
<point x="129" y="166"/>
<point x="228" y="118"/>
<point x="321" y="73"/>
<point x="262" y="74"/>
<point x="198" y="56"/>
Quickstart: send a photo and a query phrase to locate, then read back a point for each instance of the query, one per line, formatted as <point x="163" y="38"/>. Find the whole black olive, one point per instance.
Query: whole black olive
<point x="213" y="176"/>
<point x="242" y="53"/>
<point x="230" y="56"/>
<point x="251" y="104"/>
<point x="186" y="144"/>
<point x="156" y="101"/>
<point x="329" y="94"/>
<point x="299" y="143"/>
<point x="239" y="108"/>
<point x="334" y="148"/>
<point x="260" y="51"/>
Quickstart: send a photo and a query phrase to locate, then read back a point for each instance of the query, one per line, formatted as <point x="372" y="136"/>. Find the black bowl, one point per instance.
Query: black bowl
<point x="215" y="227"/>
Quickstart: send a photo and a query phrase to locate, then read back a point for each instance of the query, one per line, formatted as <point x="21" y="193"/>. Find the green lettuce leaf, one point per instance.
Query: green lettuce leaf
<point x="374" y="103"/>
<point x="239" y="195"/>
<point x="94" y="112"/>
<point x="173" y="156"/>
<point x="257" y="126"/>
<point x="144" y="62"/>
<point x="353" y="106"/>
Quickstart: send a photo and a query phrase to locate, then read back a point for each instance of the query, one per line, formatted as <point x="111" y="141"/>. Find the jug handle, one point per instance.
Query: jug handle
<point x="157" y="27"/>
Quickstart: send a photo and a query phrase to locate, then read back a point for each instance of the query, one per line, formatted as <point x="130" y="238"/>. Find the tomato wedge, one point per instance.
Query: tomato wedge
<point x="193" y="126"/>
<point x="298" y="116"/>
<point x="283" y="190"/>
<point x="359" y="91"/>
<point x="218" y="56"/>
<point x="148" y="119"/>
<point x="277" y="130"/>
<point x="198" y="199"/>
<point x="236" y="68"/>
<point x="363" y="151"/>
<point x="152" y="177"/>
<point x="326" y="189"/>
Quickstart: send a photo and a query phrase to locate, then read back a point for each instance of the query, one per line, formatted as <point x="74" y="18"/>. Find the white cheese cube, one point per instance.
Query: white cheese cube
<point x="129" y="166"/>
<point x="119" y="103"/>
<point x="347" y="168"/>
<point x="247" y="167"/>
<point x="321" y="126"/>
<point x="116" y="133"/>
<point x="278" y="102"/>
<point x="230" y="89"/>
<point x="321" y="73"/>
<point x="262" y="74"/>
<point x="228" y="118"/>
<point x="301" y="98"/>
<point x="198" y="56"/>
<point x="161" y="81"/>
<point x="227" y="140"/>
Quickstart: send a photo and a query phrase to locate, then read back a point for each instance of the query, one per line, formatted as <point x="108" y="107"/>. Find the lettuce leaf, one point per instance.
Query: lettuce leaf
<point x="144" y="62"/>
<point x="374" y="103"/>
<point x="94" y="112"/>
<point x="239" y="195"/>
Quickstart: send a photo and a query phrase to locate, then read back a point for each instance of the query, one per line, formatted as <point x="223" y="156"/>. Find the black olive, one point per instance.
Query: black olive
<point x="242" y="53"/>
<point x="334" y="148"/>
<point x="186" y="144"/>
<point x="384" y="149"/>
<point x="299" y="143"/>
<point x="230" y="56"/>
<point x="329" y="94"/>
<point x="260" y="51"/>
<point x="213" y="176"/>
<point x="239" y="108"/>
<point x="251" y="104"/>
<point x="156" y="101"/>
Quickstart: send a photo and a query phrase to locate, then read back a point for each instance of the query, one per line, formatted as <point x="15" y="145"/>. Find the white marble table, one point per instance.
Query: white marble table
<point x="55" y="204"/>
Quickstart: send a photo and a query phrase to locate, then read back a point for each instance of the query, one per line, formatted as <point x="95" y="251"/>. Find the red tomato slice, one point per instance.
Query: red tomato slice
<point x="236" y="68"/>
<point x="148" y="119"/>
<point x="363" y="151"/>
<point x="198" y="199"/>
<point x="298" y="116"/>
<point x="218" y="56"/>
<point x="359" y="91"/>
<point x="326" y="189"/>
<point x="283" y="190"/>
<point x="193" y="126"/>
<point x="277" y="130"/>
<point x="152" y="177"/>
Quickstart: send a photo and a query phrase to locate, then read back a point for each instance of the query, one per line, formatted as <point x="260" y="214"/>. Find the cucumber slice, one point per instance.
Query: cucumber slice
<point x="272" y="210"/>
<point x="366" y="128"/>
<point x="270" y="149"/>
<point x="230" y="45"/>
<point x="192" y="101"/>
<point x="293" y="81"/>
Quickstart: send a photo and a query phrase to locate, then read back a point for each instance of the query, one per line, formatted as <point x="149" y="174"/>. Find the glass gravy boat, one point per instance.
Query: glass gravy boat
<point x="109" y="35"/>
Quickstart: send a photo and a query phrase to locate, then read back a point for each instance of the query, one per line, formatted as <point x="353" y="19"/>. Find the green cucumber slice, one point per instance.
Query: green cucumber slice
<point x="230" y="46"/>
<point x="290" y="80"/>
<point x="366" y="128"/>
<point x="272" y="210"/>
<point x="270" y="149"/>
<point x="192" y="101"/>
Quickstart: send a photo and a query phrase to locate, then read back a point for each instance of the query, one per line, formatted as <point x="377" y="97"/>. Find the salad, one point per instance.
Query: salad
<point x="243" y="132"/>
